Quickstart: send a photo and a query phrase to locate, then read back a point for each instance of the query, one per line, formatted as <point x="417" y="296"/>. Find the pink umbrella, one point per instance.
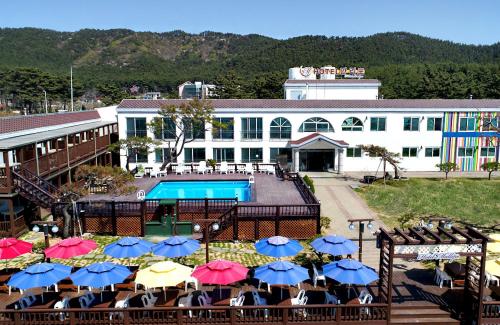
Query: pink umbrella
<point x="70" y="247"/>
<point x="220" y="272"/>
<point x="12" y="247"/>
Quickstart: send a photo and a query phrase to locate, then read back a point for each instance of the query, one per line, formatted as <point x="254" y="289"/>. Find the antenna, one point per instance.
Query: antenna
<point x="71" y="81"/>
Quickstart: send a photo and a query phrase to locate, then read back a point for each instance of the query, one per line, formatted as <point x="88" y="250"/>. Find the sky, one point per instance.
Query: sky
<point x="463" y="21"/>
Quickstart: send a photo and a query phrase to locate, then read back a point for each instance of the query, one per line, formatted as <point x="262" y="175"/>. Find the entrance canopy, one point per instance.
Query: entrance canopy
<point x="317" y="141"/>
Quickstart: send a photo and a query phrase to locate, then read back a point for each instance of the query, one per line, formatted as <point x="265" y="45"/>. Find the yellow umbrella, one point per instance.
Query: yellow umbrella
<point x="163" y="274"/>
<point x="493" y="247"/>
<point x="495" y="237"/>
<point x="493" y="267"/>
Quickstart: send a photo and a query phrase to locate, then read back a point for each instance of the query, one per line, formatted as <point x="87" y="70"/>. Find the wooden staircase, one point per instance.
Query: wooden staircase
<point x="421" y="312"/>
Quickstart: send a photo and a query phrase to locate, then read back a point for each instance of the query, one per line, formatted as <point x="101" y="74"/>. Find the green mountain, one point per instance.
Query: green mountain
<point x="163" y="60"/>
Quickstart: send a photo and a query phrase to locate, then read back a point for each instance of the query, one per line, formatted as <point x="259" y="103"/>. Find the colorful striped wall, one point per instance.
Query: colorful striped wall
<point x="453" y="139"/>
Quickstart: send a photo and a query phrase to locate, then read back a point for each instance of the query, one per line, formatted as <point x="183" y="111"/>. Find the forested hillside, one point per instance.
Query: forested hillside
<point x="409" y="66"/>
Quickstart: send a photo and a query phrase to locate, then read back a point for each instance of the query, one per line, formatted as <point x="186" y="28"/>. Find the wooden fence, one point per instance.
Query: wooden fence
<point x="373" y="314"/>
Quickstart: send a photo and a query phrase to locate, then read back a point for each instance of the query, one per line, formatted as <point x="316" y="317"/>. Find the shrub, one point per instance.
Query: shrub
<point x="309" y="182"/>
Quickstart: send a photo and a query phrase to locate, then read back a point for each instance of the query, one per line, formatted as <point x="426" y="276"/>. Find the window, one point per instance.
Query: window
<point x="354" y="152"/>
<point x="140" y="157"/>
<point x="223" y="133"/>
<point x="223" y="154"/>
<point x="251" y="128"/>
<point x="377" y="124"/>
<point x="296" y="94"/>
<point x="194" y="154"/>
<point x="434" y="123"/>
<point x="193" y="129"/>
<point x="411" y="124"/>
<point x="410" y="151"/>
<point x="467" y="124"/>
<point x="168" y="129"/>
<point x="251" y="155"/>
<point x="488" y="152"/>
<point x="465" y="151"/>
<point x="275" y="152"/>
<point x="281" y="128"/>
<point x="316" y="124"/>
<point x="161" y="155"/>
<point x="136" y="127"/>
<point x="490" y="123"/>
<point x="352" y="124"/>
<point x="432" y="152"/>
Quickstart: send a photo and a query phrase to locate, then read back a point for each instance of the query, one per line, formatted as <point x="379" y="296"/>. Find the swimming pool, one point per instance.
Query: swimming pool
<point x="201" y="190"/>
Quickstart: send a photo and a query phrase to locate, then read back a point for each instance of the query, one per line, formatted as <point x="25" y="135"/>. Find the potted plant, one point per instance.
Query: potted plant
<point x="212" y="163"/>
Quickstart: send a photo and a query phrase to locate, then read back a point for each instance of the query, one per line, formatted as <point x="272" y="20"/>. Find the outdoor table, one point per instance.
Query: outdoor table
<point x="167" y="298"/>
<point x="222" y="296"/>
<point x="354" y="301"/>
<point x="104" y="303"/>
<point x="47" y="304"/>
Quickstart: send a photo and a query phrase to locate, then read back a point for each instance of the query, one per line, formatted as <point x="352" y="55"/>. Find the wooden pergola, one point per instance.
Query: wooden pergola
<point x="424" y="243"/>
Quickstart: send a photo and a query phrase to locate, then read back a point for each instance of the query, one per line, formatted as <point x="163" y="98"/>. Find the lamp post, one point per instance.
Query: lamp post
<point x="206" y="224"/>
<point x="361" y="227"/>
<point x="444" y="223"/>
<point x="45" y="228"/>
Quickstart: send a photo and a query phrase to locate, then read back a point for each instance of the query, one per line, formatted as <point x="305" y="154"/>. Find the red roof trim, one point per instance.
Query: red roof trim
<point x="28" y="122"/>
<point x="311" y="137"/>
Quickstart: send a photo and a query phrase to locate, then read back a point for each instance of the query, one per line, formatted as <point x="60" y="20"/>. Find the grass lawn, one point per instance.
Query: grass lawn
<point x="470" y="201"/>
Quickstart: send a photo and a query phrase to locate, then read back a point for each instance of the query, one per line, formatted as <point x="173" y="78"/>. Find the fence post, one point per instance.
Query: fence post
<point x="143" y="217"/>
<point x="318" y="219"/>
<point x="113" y="218"/>
<point x="17" y="318"/>
<point x="232" y="316"/>
<point x="277" y="221"/>
<point x="126" y="317"/>
<point x="285" y="315"/>
<point x="235" y="223"/>
<point x="206" y="208"/>
<point x="256" y="229"/>
<point x="179" y="316"/>
<point x="72" y="318"/>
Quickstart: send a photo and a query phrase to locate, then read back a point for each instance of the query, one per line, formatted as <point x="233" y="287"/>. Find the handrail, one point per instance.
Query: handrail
<point x="25" y="180"/>
<point x="29" y="176"/>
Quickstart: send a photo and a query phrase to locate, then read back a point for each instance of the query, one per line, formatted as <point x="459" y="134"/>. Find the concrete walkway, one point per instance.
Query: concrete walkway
<point x="339" y="202"/>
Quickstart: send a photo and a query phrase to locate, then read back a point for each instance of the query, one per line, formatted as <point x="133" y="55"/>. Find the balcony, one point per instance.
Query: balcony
<point x="254" y="135"/>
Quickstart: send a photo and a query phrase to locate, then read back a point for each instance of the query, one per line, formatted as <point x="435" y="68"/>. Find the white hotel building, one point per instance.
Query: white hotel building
<point x="321" y="123"/>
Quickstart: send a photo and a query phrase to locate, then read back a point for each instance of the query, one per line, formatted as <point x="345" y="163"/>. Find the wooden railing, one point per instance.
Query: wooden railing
<point x="6" y="229"/>
<point x="234" y="167"/>
<point x="491" y="312"/>
<point x="372" y="314"/>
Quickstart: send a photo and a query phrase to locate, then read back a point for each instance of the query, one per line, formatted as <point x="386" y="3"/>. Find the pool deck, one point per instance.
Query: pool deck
<point x="269" y="189"/>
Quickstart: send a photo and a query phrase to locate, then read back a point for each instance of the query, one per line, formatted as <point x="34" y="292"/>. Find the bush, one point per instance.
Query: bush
<point x="309" y="182"/>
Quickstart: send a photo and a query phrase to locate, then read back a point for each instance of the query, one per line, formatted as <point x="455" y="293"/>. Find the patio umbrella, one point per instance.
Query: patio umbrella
<point x="493" y="267"/>
<point x="99" y="275"/>
<point x="163" y="274"/>
<point x="39" y="275"/>
<point x="70" y="247"/>
<point x="278" y="246"/>
<point x="176" y="246"/>
<point x="495" y="237"/>
<point x="334" y="245"/>
<point x="220" y="272"/>
<point x="128" y="247"/>
<point x="281" y="273"/>
<point x="349" y="271"/>
<point x="493" y="247"/>
<point x="12" y="247"/>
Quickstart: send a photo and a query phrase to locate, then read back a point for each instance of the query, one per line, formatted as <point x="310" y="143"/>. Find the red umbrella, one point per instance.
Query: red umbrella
<point x="220" y="272"/>
<point x="12" y="247"/>
<point x="70" y="247"/>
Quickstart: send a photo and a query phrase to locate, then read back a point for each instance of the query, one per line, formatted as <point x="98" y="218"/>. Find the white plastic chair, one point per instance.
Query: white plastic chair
<point x="300" y="302"/>
<point x="248" y="169"/>
<point x="491" y="279"/>
<point x="204" y="303"/>
<point x="192" y="280"/>
<point x="259" y="301"/>
<point x="156" y="172"/>
<point x="318" y="276"/>
<point x="202" y="167"/>
<point x="365" y="298"/>
<point x="206" y="296"/>
<point x="442" y="277"/>
<point x="224" y="169"/>
<point x="271" y="170"/>
<point x="61" y="305"/>
<point x="120" y="304"/>
<point x="331" y="300"/>
<point x="238" y="302"/>
<point x="180" y="169"/>
<point x="186" y="302"/>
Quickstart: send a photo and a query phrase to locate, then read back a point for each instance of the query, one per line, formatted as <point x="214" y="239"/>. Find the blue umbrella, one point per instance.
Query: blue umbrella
<point x="278" y="246"/>
<point x="334" y="245"/>
<point x="281" y="272"/>
<point x="100" y="275"/>
<point x="176" y="246"/>
<point x="348" y="271"/>
<point x="39" y="275"/>
<point x="128" y="247"/>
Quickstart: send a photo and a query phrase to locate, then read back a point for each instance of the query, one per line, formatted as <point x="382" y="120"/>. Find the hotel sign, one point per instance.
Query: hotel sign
<point x="436" y="252"/>
<point x="351" y="72"/>
<point x="437" y="256"/>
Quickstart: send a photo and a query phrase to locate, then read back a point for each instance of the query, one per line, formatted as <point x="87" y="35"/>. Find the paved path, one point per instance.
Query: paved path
<point x="339" y="202"/>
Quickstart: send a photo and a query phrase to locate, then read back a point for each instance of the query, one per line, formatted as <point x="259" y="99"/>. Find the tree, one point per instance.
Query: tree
<point x="133" y="146"/>
<point x="490" y="167"/>
<point x="447" y="167"/>
<point x="230" y="86"/>
<point x="385" y="155"/>
<point x="178" y="125"/>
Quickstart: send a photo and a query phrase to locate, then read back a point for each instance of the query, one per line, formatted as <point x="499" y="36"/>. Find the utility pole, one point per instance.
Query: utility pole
<point x="71" y="81"/>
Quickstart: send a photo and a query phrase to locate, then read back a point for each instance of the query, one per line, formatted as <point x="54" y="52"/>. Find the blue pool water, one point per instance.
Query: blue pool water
<point x="201" y="190"/>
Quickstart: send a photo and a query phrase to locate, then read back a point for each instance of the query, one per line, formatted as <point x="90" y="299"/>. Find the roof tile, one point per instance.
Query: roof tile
<point x="26" y="122"/>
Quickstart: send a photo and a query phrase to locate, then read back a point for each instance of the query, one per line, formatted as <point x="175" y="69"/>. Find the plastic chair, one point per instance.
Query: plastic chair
<point x="206" y="296"/>
<point x="318" y="276"/>
<point x="442" y="277"/>
<point x="120" y="304"/>
<point x="300" y="302"/>
<point x="156" y="172"/>
<point x="490" y="278"/>
<point x="224" y="169"/>
<point x="192" y="280"/>
<point x="186" y="302"/>
<point x="249" y="168"/>
<point x="62" y="304"/>
<point x="84" y="302"/>
<point x="180" y="169"/>
<point x="202" y="167"/>
<point x="259" y="301"/>
<point x="271" y="170"/>
<point x="203" y="303"/>
<point x="237" y="302"/>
